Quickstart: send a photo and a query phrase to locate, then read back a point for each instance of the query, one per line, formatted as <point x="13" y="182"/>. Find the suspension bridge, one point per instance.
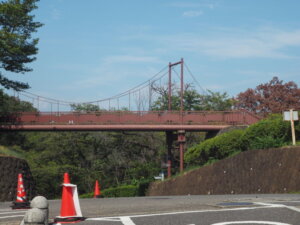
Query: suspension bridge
<point x="132" y="110"/>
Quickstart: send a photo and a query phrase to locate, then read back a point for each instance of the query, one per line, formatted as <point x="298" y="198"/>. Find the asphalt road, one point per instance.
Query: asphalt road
<point x="179" y="210"/>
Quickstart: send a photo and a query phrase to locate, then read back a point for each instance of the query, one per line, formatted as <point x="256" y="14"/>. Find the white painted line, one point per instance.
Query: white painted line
<point x="201" y="211"/>
<point x="3" y="217"/>
<point x="105" y="219"/>
<point x="279" y="206"/>
<point x="251" y="222"/>
<point x="126" y="220"/>
<point x="182" y="212"/>
<point x="12" y="212"/>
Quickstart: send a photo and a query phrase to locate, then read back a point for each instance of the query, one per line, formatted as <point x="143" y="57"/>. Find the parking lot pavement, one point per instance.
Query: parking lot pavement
<point x="179" y="210"/>
<point x="259" y="213"/>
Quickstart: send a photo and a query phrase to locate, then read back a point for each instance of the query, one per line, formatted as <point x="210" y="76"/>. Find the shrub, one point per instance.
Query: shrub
<point x="121" y="191"/>
<point x="271" y="132"/>
<point x="215" y="148"/>
<point x="267" y="133"/>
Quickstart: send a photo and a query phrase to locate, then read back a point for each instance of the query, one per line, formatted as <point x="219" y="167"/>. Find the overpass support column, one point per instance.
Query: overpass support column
<point x="181" y="142"/>
<point x="169" y="139"/>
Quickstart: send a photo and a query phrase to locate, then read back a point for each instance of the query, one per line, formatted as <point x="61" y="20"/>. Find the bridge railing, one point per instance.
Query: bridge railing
<point x="129" y="117"/>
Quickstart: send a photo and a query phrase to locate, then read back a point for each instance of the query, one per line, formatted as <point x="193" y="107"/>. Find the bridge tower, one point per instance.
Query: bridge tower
<point x="180" y="133"/>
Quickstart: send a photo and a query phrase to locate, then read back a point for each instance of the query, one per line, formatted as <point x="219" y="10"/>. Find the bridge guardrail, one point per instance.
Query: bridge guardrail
<point x="130" y="117"/>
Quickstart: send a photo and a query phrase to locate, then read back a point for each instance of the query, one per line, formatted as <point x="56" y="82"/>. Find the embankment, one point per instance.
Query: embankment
<point x="9" y="169"/>
<point x="254" y="171"/>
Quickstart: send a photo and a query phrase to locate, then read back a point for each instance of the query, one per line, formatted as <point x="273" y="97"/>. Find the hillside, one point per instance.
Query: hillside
<point x="254" y="171"/>
<point x="9" y="169"/>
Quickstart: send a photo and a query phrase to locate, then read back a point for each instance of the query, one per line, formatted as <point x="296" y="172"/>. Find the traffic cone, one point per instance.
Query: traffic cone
<point x="21" y="201"/>
<point x="70" y="211"/>
<point x="97" y="192"/>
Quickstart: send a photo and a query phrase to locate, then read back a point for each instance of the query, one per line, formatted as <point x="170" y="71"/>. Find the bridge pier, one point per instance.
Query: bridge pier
<point x="169" y="140"/>
<point x="170" y="137"/>
<point x="181" y="141"/>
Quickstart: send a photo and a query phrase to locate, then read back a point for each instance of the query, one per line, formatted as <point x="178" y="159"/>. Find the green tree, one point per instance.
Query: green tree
<point x="17" y="46"/>
<point x="192" y="100"/>
<point x="84" y="107"/>
<point x="216" y="101"/>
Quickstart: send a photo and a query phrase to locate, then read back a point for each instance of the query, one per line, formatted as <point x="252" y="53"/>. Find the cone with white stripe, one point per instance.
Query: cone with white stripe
<point x="21" y="201"/>
<point x="70" y="211"/>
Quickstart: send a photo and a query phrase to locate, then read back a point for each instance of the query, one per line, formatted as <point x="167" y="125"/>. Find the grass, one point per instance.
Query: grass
<point x="13" y="151"/>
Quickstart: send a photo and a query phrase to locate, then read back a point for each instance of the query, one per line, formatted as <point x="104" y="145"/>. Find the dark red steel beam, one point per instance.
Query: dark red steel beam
<point x="176" y="63"/>
<point x="125" y="127"/>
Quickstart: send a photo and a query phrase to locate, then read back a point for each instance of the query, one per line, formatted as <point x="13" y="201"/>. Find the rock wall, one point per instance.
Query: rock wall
<point x="10" y="167"/>
<point x="254" y="171"/>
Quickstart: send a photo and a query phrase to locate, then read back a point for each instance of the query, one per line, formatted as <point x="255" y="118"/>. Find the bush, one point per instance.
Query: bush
<point x="268" y="133"/>
<point x="87" y="195"/>
<point x="272" y="132"/>
<point x="121" y="191"/>
<point x="215" y="148"/>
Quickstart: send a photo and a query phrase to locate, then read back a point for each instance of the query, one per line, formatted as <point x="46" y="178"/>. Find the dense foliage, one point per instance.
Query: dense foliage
<point x="268" y="133"/>
<point x="192" y="100"/>
<point x="17" y="47"/>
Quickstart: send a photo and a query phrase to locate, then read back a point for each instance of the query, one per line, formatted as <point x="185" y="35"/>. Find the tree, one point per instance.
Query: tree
<point x="84" y="107"/>
<point x="216" y="101"/>
<point x="272" y="97"/>
<point x="17" y="47"/>
<point x="192" y="100"/>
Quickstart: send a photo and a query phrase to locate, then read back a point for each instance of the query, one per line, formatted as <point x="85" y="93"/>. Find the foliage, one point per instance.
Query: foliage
<point x="268" y="133"/>
<point x="112" y="158"/>
<point x="138" y="189"/>
<point x="10" y="104"/>
<point x="13" y="104"/>
<point x="121" y="191"/>
<point x="17" y="47"/>
<point x="216" y="101"/>
<point x="272" y="97"/>
<point x="192" y="100"/>
<point x="14" y="151"/>
<point x="215" y="148"/>
<point x="84" y="107"/>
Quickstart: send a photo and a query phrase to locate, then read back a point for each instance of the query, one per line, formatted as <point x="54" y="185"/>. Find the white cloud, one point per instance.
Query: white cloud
<point x="267" y="43"/>
<point x="129" y="59"/>
<point x="192" y="13"/>
<point x="55" y="14"/>
<point x="210" y="5"/>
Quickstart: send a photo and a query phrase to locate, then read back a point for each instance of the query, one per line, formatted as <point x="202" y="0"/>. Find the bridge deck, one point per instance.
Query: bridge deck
<point x="123" y="120"/>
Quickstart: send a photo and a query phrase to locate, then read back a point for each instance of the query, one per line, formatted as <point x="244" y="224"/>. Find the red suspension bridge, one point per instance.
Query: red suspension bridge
<point x="126" y="116"/>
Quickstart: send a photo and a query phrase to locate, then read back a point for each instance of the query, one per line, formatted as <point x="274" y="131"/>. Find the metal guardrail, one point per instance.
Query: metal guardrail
<point x="130" y="117"/>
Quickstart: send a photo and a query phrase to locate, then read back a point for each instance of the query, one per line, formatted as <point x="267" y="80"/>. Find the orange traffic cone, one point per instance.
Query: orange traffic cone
<point x="97" y="192"/>
<point x="70" y="211"/>
<point x="21" y="201"/>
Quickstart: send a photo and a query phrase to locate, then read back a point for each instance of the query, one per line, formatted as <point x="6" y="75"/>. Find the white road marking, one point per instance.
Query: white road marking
<point x="4" y="217"/>
<point x="278" y="206"/>
<point x="117" y="218"/>
<point x="126" y="220"/>
<point x="251" y="222"/>
<point x="12" y="212"/>
<point x="201" y="211"/>
<point x="105" y="219"/>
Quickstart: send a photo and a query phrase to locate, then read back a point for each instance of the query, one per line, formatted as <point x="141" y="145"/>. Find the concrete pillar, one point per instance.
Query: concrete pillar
<point x="41" y="203"/>
<point x="34" y="216"/>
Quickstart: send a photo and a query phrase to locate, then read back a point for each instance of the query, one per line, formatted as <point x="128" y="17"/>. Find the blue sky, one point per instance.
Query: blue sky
<point x="94" y="49"/>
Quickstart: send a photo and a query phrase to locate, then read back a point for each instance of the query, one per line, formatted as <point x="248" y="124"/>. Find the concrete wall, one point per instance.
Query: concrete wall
<point x="255" y="171"/>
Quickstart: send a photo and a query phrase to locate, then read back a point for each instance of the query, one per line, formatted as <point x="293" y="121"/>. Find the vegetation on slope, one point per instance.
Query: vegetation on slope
<point x="271" y="132"/>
